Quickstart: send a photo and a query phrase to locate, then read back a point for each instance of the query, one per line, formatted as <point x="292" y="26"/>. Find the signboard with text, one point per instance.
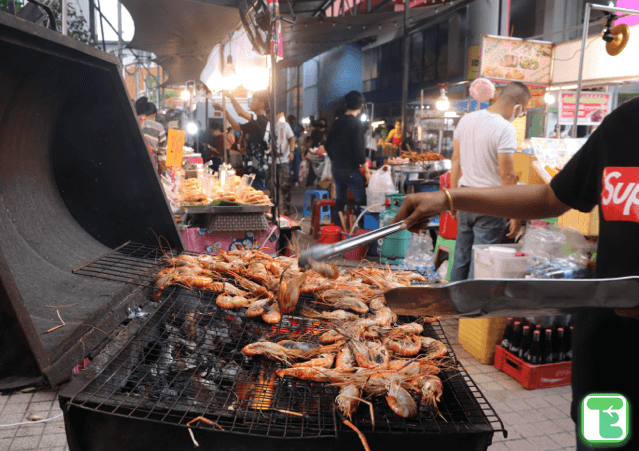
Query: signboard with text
<point x="473" y="62"/>
<point x="513" y="59"/>
<point x="174" y="148"/>
<point x="593" y="107"/>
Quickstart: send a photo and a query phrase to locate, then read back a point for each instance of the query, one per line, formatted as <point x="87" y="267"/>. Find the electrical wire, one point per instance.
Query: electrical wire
<point x="30" y="422"/>
<point x="596" y="38"/>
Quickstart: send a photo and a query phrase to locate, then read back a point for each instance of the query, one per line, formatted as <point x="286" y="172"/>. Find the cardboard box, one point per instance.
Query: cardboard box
<point x="586" y="223"/>
<point x="524" y="169"/>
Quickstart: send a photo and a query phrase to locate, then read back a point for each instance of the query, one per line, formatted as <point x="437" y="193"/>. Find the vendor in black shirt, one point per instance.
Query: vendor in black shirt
<point x="346" y="148"/>
<point x="255" y="161"/>
<point x="604" y="173"/>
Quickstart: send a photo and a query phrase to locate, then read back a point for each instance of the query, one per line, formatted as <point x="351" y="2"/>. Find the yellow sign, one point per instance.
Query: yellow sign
<point x="473" y="62"/>
<point x="520" y="127"/>
<point x="175" y="146"/>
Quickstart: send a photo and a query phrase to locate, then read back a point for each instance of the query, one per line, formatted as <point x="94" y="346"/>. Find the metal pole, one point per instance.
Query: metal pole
<point x="420" y="131"/>
<point x="584" y="38"/>
<point x="137" y="79"/>
<point x="92" y="21"/>
<point x="65" y="25"/>
<point x="120" y="42"/>
<point x="273" y="136"/>
<point x="406" y="69"/>
<point x="224" y="128"/>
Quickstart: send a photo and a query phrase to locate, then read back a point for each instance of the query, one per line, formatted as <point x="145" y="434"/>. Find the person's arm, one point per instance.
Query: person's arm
<point x="238" y="109"/>
<point x="390" y="137"/>
<point x="232" y="122"/>
<point x="514" y="201"/>
<point x="455" y="169"/>
<point x="507" y="174"/>
<point x="291" y="143"/>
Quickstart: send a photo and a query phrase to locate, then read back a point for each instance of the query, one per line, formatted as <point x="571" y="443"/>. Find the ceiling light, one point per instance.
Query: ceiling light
<point x="191" y="127"/>
<point x="549" y="98"/>
<point x="442" y="103"/>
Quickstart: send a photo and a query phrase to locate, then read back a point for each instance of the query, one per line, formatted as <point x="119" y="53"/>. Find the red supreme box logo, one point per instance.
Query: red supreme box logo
<point x="620" y="194"/>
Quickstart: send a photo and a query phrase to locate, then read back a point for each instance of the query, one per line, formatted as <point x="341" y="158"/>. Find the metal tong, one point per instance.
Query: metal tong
<point x="325" y="251"/>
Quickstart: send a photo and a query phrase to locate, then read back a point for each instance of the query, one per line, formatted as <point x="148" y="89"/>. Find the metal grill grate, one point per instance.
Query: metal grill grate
<point x="130" y="263"/>
<point x="187" y="362"/>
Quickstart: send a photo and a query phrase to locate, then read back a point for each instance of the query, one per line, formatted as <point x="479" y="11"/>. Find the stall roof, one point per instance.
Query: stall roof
<point x="309" y="37"/>
<point x="182" y="33"/>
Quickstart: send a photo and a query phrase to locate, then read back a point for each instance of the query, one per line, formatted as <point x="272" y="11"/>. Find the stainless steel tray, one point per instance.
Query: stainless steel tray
<point x="227" y="209"/>
<point x="513" y="297"/>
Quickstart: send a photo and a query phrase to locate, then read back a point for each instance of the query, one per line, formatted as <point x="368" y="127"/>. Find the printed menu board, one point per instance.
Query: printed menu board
<point x="593" y="107"/>
<point x="513" y="59"/>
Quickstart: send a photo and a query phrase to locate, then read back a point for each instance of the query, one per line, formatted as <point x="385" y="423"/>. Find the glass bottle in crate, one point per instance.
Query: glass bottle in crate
<point x="560" y="353"/>
<point x="535" y="350"/>
<point x="508" y="335"/>
<point x="516" y="340"/>
<point x="524" y="346"/>
<point x="547" y="348"/>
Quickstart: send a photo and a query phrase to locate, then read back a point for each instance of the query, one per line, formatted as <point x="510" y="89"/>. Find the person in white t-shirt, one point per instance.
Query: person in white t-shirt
<point x="484" y="144"/>
<point x="285" y="149"/>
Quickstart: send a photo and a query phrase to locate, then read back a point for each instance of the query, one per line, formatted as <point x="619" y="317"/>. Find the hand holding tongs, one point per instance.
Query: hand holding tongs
<point x="325" y="251"/>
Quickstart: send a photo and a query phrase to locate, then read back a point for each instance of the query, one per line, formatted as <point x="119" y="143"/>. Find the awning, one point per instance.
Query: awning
<point x="181" y="33"/>
<point x="312" y="36"/>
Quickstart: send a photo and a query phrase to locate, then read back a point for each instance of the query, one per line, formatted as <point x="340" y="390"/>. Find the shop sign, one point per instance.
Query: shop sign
<point x="513" y="59"/>
<point x="473" y="62"/>
<point x="174" y="148"/>
<point x="593" y="107"/>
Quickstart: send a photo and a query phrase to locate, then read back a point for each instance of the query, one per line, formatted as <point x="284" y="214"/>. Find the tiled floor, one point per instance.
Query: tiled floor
<point x="536" y="420"/>
<point x="15" y="408"/>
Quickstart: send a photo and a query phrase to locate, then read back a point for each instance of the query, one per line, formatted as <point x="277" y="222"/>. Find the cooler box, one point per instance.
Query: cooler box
<point x="533" y="376"/>
<point x="495" y="265"/>
<point x="371" y="222"/>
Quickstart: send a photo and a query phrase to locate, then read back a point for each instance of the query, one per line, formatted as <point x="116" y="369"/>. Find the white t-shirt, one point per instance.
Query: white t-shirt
<point x="482" y="136"/>
<point x="284" y="133"/>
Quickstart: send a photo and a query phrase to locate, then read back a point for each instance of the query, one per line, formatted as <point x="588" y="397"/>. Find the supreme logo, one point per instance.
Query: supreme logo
<point x="620" y="194"/>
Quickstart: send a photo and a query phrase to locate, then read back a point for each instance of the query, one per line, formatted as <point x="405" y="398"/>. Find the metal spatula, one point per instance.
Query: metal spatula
<point x="513" y="297"/>
<point x="325" y="251"/>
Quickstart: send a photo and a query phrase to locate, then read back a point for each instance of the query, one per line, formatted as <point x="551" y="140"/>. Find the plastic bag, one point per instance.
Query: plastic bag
<point x="379" y="185"/>
<point x="327" y="171"/>
<point x="559" y="246"/>
<point x="381" y="180"/>
<point x="305" y="166"/>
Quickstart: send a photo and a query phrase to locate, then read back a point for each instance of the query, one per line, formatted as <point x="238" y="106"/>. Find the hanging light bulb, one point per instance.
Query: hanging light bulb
<point x="442" y="103"/>
<point x="363" y="117"/>
<point x="185" y="95"/>
<point x="549" y="98"/>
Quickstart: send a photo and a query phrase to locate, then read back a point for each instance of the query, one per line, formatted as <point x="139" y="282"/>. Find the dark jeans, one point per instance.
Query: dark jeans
<point x="346" y="179"/>
<point x="259" y="183"/>
<point x="284" y="187"/>
<point x="295" y="166"/>
<point x="474" y="229"/>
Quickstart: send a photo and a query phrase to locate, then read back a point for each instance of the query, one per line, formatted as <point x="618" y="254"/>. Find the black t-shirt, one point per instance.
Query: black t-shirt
<point x="605" y="172"/>
<point x="317" y="137"/>
<point x="345" y="143"/>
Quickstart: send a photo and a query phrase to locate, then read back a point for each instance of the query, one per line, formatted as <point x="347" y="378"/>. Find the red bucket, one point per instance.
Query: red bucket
<point x="330" y="234"/>
<point x="359" y="252"/>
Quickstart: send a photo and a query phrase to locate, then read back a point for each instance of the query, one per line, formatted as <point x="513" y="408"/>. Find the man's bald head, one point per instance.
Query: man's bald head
<point x="515" y="93"/>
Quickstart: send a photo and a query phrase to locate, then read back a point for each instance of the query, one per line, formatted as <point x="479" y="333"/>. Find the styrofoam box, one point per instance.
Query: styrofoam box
<point x="497" y="265"/>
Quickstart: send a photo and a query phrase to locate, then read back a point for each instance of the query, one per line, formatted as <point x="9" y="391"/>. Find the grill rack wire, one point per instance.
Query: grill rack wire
<point x="186" y="362"/>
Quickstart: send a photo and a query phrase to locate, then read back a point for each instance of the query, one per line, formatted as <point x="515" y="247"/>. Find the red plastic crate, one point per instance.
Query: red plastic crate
<point x="530" y="376"/>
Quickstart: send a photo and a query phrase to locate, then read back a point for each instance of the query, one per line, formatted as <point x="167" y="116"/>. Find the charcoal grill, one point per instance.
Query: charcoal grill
<point x="76" y="180"/>
<point x="186" y="362"/>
